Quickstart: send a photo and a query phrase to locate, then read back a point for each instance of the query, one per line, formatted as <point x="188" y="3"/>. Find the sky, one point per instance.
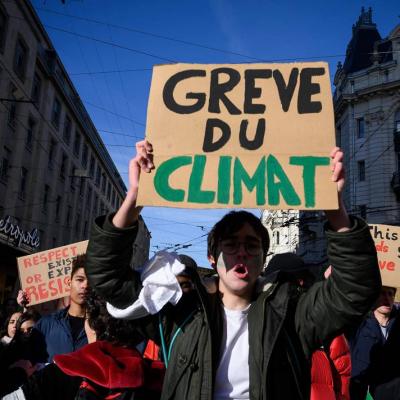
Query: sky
<point x="109" y="48"/>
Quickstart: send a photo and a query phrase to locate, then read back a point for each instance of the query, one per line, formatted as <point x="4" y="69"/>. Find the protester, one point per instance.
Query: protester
<point x="21" y="357"/>
<point x="9" y="328"/>
<point x="185" y="278"/>
<point x="375" y="351"/>
<point x="63" y="331"/>
<point x="331" y="363"/>
<point x="109" y="367"/>
<point x="240" y="337"/>
<point x="331" y="367"/>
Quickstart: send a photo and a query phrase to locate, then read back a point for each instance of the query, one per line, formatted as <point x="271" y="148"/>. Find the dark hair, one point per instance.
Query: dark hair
<point x="190" y="265"/>
<point x="78" y="263"/>
<point x="28" y="347"/>
<point x="230" y="224"/>
<point x="119" y="332"/>
<point x="27" y="316"/>
<point x="4" y="328"/>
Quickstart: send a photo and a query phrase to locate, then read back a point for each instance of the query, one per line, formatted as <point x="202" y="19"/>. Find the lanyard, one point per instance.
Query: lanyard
<point x="167" y="355"/>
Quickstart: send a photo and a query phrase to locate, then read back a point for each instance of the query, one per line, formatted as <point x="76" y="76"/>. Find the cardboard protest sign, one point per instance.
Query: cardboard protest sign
<point x="387" y="243"/>
<point x="247" y="135"/>
<point x="45" y="275"/>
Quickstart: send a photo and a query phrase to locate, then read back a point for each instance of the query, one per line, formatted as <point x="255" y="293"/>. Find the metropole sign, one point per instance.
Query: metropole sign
<point x="12" y="234"/>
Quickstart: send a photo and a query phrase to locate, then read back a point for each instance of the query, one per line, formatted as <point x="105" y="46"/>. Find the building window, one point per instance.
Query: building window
<point x="102" y="208"/>
<point x="68" y="216"/>
<point x="46" y="195"/>
<point x="385" y="76"/>
<point x="85" y="151"/>
<point x="12" y="107"/>
<point x="56" y="112"/>
<point x="360" y="128"/>
<point x="91" y="167"/>
<point x="397" y="122"/>
<point x="351" y="86"/>
<point x="82" y="186"/>
<point x="36" y="89"/>
<point x="52" y="153"/>
<point x="109" y="191"/>
<point x="67" y="129"/>
<point x="5" y="164"/>
<point x="277" y="237"/>
<point x="77" y="144"/>
<point x="339" y="136"/>
<point x="103" y="183"/>
<point x="89" y="198"/>
<point x="20" y="58"/>
<point x="362" y="210"/>
<point x="63" y="166"/>
<point x="22" y="183"/>
<point x="85" y="229"/>
<point x="3" y="27"/>
<point x="96" y="205"/>
<point x="58" y="208"/>
<point x="30" y="132"/>
<point x="78" y="218"/>
<point x="113" y="197"/>
<point x="361" y="170"/>
<point x="72" y="178"/>
<point x="42" y="239"/>
<point x="98" y="176"/>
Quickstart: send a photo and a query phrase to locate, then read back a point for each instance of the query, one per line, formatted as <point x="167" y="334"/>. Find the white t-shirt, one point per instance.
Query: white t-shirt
<point x="232" y="378"/>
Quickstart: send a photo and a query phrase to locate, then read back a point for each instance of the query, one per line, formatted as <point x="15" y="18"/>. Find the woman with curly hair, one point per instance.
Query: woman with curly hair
<point x="108" y="367"/>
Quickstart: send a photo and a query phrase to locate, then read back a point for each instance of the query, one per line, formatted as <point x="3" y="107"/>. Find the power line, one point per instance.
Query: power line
<point x="111" y="71"/>
<point x="114" y="113"/>
<point x="110" y="44"/>
<point x="186" y="42"/>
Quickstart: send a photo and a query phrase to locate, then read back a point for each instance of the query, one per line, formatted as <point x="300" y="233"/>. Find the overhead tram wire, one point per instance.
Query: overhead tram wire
<point x="114" y="113"/>
<point x="287" y="59"/>
<point x="120" y="80"/>
<point x="95" y="87"/>
<point x="110" y="71"/>
<point x="186" y="42"/>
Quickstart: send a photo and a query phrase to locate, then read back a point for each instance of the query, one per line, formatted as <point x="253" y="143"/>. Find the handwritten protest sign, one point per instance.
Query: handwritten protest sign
<point x="45" y="276"/>
<point x="248" y="135"/>
<point x="387" y="243"/>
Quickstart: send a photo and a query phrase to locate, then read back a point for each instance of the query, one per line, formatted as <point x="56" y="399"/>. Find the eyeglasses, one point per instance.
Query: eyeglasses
<point x="230" y="247"/>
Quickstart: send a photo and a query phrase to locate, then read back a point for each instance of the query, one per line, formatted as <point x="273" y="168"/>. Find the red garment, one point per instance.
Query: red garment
<point x="330" y="377"/>
<point x="104" y="364"/>
<point x="152" y="351"/>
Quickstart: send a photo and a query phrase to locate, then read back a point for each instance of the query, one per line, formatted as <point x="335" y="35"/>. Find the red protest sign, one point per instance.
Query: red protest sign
<point x="45" y="276"/>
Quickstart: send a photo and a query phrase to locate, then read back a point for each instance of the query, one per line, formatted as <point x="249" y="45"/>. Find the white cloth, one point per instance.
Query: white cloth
<point x="5" y="339"/>
<point x="160" y="286"/>
<point x="17" y="395"/>
<point x="232" y="378"/>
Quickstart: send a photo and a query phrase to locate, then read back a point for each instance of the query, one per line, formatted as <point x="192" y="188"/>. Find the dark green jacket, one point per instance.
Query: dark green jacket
<point x="285" y="326"/>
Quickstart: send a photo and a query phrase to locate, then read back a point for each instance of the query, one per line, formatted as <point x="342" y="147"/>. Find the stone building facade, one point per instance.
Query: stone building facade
<point x="367" y="112"/>
<point x="56" y="175"/>
<point x="367" y="119"/>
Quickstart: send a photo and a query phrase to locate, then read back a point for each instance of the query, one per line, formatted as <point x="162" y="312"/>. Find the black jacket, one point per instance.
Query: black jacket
<point x="285" y="326"/>
<point x="375" y="361"/>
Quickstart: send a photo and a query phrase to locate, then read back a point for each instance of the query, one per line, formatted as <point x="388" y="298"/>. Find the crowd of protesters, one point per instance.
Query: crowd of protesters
<point x="243" y="332"/>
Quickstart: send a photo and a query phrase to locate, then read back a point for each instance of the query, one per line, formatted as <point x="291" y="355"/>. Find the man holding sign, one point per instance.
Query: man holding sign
<point x="237" y="336"/>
